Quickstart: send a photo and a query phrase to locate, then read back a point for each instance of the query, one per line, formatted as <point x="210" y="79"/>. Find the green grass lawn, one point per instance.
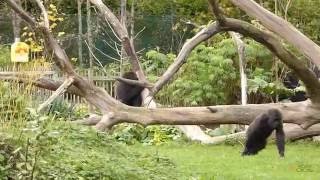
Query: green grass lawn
<point x="68" y="151"/>
<point x="302" y="161"/>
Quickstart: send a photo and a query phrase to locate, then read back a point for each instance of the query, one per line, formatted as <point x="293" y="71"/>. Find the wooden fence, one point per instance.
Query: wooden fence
<point x="99" y="78"/>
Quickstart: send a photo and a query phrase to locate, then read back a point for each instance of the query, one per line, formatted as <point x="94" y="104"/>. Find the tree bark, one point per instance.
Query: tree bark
<point x="16" y="24"/>
<point x="79" y="3"/>
<point x="282" y="28"/>
<point x="90" y="44"/>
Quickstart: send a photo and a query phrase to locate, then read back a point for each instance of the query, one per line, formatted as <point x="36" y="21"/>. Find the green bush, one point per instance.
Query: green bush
<point x="63" y="110"/>
<point x="61" y="150"/>
<point x="12" y="103"/>
<point x="151" y="135"/>
<point x="4" y="56"/>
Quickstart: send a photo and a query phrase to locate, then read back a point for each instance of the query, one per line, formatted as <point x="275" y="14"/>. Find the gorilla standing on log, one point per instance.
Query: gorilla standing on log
<point x="129" y="94"/>
<point x="261" y="128"/>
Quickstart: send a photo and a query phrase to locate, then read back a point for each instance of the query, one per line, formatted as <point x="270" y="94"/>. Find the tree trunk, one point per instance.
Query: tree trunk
<point x="90" y="44"/>
<point x="80" y="56"/>
<point x="16" y="24"/>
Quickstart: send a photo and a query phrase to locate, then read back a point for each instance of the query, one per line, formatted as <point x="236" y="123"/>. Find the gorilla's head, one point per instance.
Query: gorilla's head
<point x="275" y="118"/>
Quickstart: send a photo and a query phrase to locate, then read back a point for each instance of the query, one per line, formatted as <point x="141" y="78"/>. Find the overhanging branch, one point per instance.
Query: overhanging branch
<point x="282" y="28"/>
<point x="274" y="45"/>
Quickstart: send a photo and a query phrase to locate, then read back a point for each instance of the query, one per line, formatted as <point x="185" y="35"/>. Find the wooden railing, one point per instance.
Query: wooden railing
<point x="98" y="77"/>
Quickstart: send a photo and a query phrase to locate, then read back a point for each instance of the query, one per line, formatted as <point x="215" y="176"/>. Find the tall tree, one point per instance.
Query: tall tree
<point x="80" y="55"/>
<point x="16" y="23"/>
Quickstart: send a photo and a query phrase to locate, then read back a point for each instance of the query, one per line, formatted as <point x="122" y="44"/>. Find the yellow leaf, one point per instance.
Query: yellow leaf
<point x="60" y="34"/>
<point x="53" y="25"/>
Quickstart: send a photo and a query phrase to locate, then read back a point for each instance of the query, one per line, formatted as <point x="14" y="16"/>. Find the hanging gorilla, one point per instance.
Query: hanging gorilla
<point x="261" y="128"/>
<point x="129" y="94"/>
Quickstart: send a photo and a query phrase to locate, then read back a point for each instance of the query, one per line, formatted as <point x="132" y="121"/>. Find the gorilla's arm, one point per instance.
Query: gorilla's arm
<point x="280" y="138"/>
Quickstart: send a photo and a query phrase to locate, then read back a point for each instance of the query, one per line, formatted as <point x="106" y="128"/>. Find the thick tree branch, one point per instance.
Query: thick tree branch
<point x="282" y="28"/>
<point x="294" y="133"/>
<point x="297" y="113"/>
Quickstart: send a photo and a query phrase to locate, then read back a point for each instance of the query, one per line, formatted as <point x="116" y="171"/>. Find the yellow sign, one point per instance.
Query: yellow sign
<point x="19" y="52"/>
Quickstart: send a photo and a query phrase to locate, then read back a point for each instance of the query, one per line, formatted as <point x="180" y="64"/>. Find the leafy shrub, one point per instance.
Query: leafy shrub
<point x="151" y="135"/>
<point x="4" y="56"/>
<point x="12" y="102"/>
<point x="61" y="109"/>
<point x="207" y="79"/>
<point x="60" y="150"/>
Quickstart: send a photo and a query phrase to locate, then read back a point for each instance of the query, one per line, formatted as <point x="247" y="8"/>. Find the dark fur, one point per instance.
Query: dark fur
<point x="290" y="81"/>
<point x="261" y="128"/>
<point x="129" y="94"/>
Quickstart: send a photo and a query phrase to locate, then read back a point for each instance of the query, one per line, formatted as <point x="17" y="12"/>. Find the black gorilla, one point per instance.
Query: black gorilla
<point x="261" y="128"/>
<point x="129" y="94"/>
<point x="290" y="81"/>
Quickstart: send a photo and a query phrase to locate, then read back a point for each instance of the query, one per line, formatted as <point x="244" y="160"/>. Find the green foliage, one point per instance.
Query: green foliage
<point x="260" y="81"/>
<point x="208" y="78"/>
<point x="262" y="70"/>
<point x="151" y="135"/>
<point x="12" y="102"/>
<point x="63" y="110"/>
<point x="60" y="150"/>
<point x="4" y="56"/>
<point x="157" y="62"/>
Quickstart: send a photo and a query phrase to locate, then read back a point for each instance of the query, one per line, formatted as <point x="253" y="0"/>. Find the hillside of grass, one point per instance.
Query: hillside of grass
<point x="66" y="151"/>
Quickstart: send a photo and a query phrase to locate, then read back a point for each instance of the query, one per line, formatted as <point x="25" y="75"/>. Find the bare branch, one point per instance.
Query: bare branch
<point x="62" y="89"/>
<point x="282" y="28"/>
<point x="242" y="65"/>
<point x="44" y="13"/>
<point x="139" y="32"/>
<point x="297" y="113"/>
